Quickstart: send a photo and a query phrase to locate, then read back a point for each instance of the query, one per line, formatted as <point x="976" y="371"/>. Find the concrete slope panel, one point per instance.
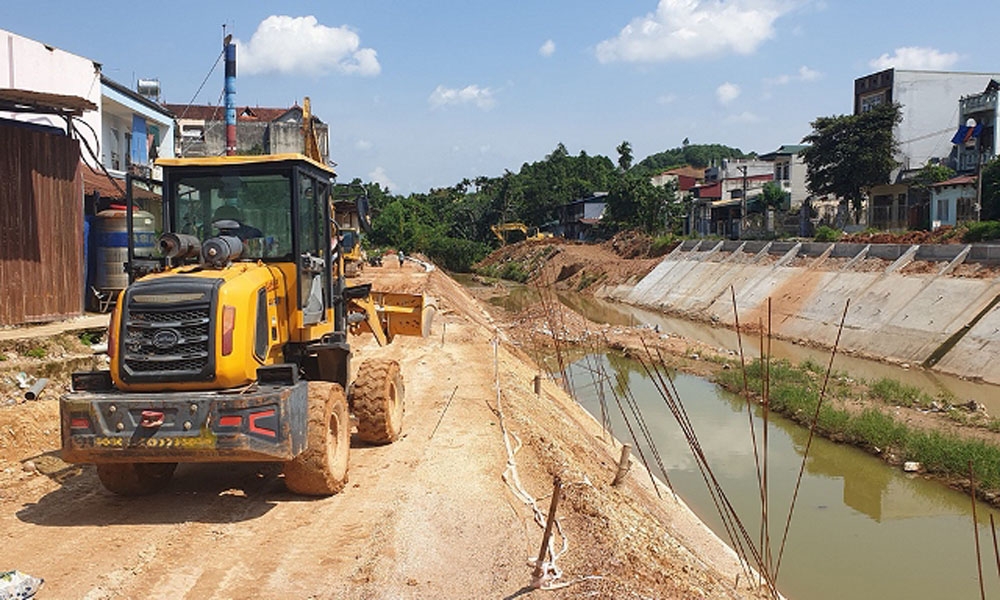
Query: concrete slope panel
<point x="977" y="354"/>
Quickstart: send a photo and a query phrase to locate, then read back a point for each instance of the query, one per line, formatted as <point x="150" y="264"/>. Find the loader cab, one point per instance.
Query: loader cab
<point x="275" y="205"/>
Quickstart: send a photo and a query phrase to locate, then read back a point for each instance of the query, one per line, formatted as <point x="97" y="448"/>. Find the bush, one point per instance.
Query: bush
<point x="982" y="231"/>
<point x="455" y="254"/>
<point x="827" y="234"/>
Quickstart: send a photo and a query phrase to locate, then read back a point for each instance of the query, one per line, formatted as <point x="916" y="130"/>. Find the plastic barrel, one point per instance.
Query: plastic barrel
<point x="111" y="241"/>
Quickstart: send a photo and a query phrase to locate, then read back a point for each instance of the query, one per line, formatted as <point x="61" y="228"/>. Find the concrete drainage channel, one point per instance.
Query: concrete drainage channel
<point x="932" y="305"/>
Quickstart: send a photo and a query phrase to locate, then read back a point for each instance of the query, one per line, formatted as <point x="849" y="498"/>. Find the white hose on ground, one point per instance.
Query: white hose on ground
<point x="550" y="572"/>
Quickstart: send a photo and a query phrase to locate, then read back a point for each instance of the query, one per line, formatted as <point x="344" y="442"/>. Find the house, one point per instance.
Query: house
<point x="579" y="217"/>
<point x="924" y="134"/>
<point x="953" y="201"/>
<point x="49" y="100"/>
<point x="977" y="135"/>
<point x="685" y="177"/>
<point x="135" y="130"/>
<point x="718" y="204"/>
<point x="790" y="172"/>
<point x="37" y="67"/>
<point x="259" y="130"/>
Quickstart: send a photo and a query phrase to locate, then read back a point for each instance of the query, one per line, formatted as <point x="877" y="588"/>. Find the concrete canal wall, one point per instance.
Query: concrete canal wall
<point x="932" y="305"/>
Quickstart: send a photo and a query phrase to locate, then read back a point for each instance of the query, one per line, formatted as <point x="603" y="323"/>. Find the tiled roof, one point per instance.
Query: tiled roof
<point x="218" y="113"/>
<point x="960" y="180"/>
<point x="686" y="171"/>
<point x="98" y="182"/>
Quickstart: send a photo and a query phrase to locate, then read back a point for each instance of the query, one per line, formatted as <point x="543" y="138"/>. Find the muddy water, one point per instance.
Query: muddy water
<point x="613" y="313"/>
<point x="860" y="529"/>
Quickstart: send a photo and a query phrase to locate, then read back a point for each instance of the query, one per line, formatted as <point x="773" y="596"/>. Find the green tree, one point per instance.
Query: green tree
<point x="849" y="153"/>
<point x="624" y="156"/>
<point x="990" y="191"/>
<point x="772" y="196"/>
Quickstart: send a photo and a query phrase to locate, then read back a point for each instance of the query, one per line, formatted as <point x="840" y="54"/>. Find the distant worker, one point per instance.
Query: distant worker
<point x="231" y="213"/>
<point x="399" y="254"/>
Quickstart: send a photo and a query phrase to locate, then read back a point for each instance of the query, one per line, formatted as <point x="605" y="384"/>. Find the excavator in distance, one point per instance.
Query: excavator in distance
<point x="231" y="341"/>
<point x="530" y="233"/>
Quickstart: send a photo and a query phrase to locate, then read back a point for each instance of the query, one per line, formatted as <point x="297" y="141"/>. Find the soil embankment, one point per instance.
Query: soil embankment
<point x="431" y="516"/>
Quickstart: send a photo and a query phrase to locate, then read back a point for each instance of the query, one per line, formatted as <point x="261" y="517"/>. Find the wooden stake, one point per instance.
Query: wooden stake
<point x="536" y="577"/>
<point x="623" y="465"/>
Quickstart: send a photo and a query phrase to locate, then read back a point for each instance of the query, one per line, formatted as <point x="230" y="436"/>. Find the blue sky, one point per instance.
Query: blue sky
<point x="422" y="94"/>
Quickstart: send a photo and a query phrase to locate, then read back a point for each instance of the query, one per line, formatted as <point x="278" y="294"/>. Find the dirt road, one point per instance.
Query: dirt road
<point x="430" y="516"/>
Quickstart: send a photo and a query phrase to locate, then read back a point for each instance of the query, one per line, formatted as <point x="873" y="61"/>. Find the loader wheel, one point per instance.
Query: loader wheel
<point x="321" y="470"/>
<point x="135" y="479"/>
<point x="377" y="397"/>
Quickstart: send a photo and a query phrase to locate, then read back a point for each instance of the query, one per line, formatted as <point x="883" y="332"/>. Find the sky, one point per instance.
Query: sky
<point x="420" y="95"/>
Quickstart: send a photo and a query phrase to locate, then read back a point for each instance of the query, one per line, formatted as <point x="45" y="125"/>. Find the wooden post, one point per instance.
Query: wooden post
<point x="536" y="577"/>
<point x="623" y="465"/>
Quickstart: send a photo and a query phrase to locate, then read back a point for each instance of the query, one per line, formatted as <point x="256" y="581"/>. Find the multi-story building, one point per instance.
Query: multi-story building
<point x="790" y="172"/>
<point x="924" y="135"/>
<point x="927" y="100"/>
<point x="977" y="135"/>
<point x="259" y="130"/>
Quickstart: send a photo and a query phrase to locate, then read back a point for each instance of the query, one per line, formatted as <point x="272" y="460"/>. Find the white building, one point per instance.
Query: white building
<point x="790" y="172"/>
<point x="29" y="65"/>
<point x="928" y="108"/>
<point x="953" y="201"/>
<point x="125" y="129"/>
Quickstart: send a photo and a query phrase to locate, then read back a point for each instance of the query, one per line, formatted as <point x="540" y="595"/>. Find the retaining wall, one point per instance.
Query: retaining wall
<point x="906" y="303"/>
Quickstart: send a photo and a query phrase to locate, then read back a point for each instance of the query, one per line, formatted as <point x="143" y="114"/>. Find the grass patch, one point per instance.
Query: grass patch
<point x="795" y="390"/>
<point x="36" y="352"/>
<point x="893" y="392"/>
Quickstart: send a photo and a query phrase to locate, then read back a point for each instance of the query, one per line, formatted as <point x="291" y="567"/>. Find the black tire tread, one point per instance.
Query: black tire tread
<point x="378" y="410"/>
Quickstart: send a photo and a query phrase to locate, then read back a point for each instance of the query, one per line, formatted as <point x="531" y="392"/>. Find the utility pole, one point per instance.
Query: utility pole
<point x="743" y="201"/>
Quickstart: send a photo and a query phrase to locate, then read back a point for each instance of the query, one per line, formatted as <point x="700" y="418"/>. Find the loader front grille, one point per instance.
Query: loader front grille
<point x="164" y="341"/>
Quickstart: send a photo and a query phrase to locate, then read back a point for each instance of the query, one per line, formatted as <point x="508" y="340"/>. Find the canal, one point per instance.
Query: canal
<point x="860" y="528"/>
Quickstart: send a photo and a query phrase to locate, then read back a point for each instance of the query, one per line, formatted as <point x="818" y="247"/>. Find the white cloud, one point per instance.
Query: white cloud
<point x="804" y="74"/>
<point x="807" y="74"/>
<point x="300" y="45"/>
<point x="913" y="57"/>
<point x="470" y="94"/>
<point x="379" y="176"/>
<point x="727" y="92"/>
<point x="743" y="117"/>
<point x="363" y="145"/>
<point x="666" y="98"/>
<point x="686" y="29"/>
<point x="548" y="48"/>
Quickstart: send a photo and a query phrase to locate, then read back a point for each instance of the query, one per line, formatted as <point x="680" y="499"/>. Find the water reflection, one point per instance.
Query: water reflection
<point x="861" y="529"/>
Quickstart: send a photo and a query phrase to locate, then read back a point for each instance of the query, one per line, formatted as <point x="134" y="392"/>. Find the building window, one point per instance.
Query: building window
<point x="871" y="101"/>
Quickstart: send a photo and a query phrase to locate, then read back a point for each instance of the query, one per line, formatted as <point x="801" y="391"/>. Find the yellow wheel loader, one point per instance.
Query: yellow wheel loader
<point x="231" y="341"/>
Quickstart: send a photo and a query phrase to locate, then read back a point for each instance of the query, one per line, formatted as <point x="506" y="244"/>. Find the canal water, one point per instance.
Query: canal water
<point x="860" y="528"/>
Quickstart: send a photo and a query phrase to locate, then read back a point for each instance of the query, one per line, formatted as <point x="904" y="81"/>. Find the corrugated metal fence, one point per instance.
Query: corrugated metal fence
<point x="41" y="226"/>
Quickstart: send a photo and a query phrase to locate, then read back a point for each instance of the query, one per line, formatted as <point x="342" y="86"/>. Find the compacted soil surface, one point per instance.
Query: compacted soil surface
<point x="454" y="509"/>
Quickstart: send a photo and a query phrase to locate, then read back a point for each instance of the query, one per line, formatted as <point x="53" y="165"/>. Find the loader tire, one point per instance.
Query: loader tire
<point x="377" y="398"/>
<point x="135" y="479"/>
<point x="321" y="470"/>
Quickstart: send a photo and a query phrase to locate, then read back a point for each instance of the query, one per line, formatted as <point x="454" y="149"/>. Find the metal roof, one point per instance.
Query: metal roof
<point x="15" y="100"/>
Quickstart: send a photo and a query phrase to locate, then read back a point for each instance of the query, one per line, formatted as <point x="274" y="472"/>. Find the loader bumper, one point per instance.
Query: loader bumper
<point x="267" y="424"/>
